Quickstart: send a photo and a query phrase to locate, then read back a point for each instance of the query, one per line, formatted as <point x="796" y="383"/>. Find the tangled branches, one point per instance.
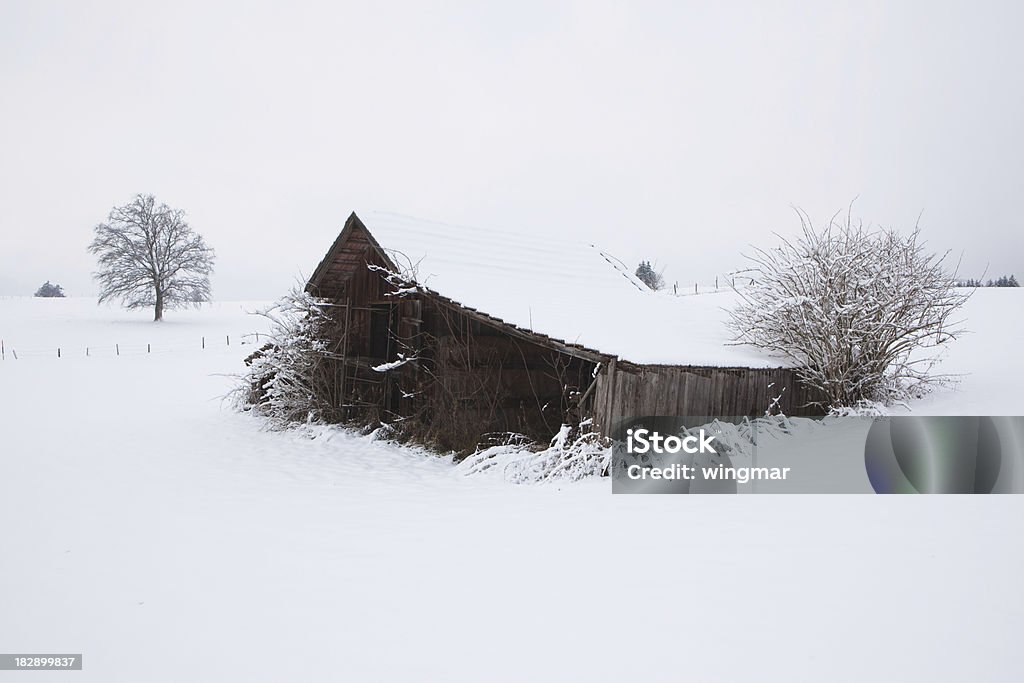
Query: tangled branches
<point x="862" y="313"/>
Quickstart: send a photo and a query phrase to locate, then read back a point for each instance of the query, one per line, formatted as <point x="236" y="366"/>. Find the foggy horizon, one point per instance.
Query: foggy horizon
<point x="679" y="134"/>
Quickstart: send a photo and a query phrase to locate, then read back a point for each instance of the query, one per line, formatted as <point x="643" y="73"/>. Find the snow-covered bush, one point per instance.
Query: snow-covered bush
<point x="861" y="312"/>
<point x="646" y="273"/>
<point x="50" y="291"/>
<point x="287" y="380"/>
<point x="573" y="454"/>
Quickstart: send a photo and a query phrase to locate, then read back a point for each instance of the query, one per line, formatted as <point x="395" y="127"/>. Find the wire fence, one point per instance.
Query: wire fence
<point x="722" y="283"/>
<point x="14" y="353"/>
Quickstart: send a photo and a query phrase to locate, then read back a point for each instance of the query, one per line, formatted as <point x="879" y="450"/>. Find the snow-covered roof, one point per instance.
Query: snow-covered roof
<point x="573" y="292"/>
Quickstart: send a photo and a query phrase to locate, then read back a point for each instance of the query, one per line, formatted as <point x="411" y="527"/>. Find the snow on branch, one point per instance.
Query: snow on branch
<point x="574" y="453"/>
<point x="289" y="380"/>
<point x="402" y="360"/>
<point x="405" y="279"/>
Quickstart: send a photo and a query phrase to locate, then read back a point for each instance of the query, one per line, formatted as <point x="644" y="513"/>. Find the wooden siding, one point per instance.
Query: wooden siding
<point x="471" y="373"/>
<point x="625" y="390"/>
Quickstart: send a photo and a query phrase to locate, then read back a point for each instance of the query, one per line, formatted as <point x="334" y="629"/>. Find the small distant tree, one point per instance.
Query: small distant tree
<point x="646" y="273"/>
<point x="859" y="312"/>
<point x="50" y="291"/>
<point x="149" y="256"/>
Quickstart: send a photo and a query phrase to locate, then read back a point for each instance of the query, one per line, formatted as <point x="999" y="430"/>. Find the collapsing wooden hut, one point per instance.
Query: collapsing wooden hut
<point x="457" y="333"/>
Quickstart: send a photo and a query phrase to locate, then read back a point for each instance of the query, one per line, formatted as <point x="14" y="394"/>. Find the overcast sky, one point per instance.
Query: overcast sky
<point x="677" y="132"/>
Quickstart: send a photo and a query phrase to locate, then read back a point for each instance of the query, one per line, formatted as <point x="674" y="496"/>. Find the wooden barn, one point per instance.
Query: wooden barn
<point x="458" y="333"/>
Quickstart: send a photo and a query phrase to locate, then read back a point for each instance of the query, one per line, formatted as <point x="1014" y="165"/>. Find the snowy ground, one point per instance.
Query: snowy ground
<point x="169" y="539"/>
<point x="988" y="359"/>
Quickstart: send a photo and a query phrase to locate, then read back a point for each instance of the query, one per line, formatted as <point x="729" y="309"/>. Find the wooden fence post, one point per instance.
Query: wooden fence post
<point x="204" y="342"/>
<point x="608" y="417"/>
<point x="58" y="352"/>
<point x="117" y="349"/>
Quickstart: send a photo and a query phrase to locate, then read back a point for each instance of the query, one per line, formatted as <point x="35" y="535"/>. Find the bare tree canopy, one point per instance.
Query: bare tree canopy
<point x="861" y="312"/>
<point x="149" y="256"/>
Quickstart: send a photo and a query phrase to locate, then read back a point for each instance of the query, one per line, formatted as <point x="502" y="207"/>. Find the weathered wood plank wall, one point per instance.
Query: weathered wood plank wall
<point x="626" y="390"/>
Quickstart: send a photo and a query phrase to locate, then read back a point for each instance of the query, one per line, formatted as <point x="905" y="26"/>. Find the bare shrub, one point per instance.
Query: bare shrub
<point x="862" y="313"/>
<point x="574" y="453"/>
<point x="288" y="379"/>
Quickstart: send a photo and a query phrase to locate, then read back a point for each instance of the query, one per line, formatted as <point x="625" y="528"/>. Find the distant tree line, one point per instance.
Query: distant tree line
<point x="1003" y="281"/>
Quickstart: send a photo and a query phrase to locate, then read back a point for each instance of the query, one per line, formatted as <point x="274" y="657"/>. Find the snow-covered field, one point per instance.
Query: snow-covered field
<point x="168" y="538"/>
<point x="988" y="359"/>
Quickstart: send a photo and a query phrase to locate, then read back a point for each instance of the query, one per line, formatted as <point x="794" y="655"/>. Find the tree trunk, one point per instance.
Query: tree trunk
<point x="158" y="313"/>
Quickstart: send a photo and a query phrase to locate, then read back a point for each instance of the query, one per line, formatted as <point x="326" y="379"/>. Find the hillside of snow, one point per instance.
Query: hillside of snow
<point x="987" y="362"/>
<point x="168" y="538"/>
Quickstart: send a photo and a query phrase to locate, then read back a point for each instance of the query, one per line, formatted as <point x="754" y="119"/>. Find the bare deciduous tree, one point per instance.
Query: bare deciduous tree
<point x="149" y="256"/>
<point x="861" y="312"/>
